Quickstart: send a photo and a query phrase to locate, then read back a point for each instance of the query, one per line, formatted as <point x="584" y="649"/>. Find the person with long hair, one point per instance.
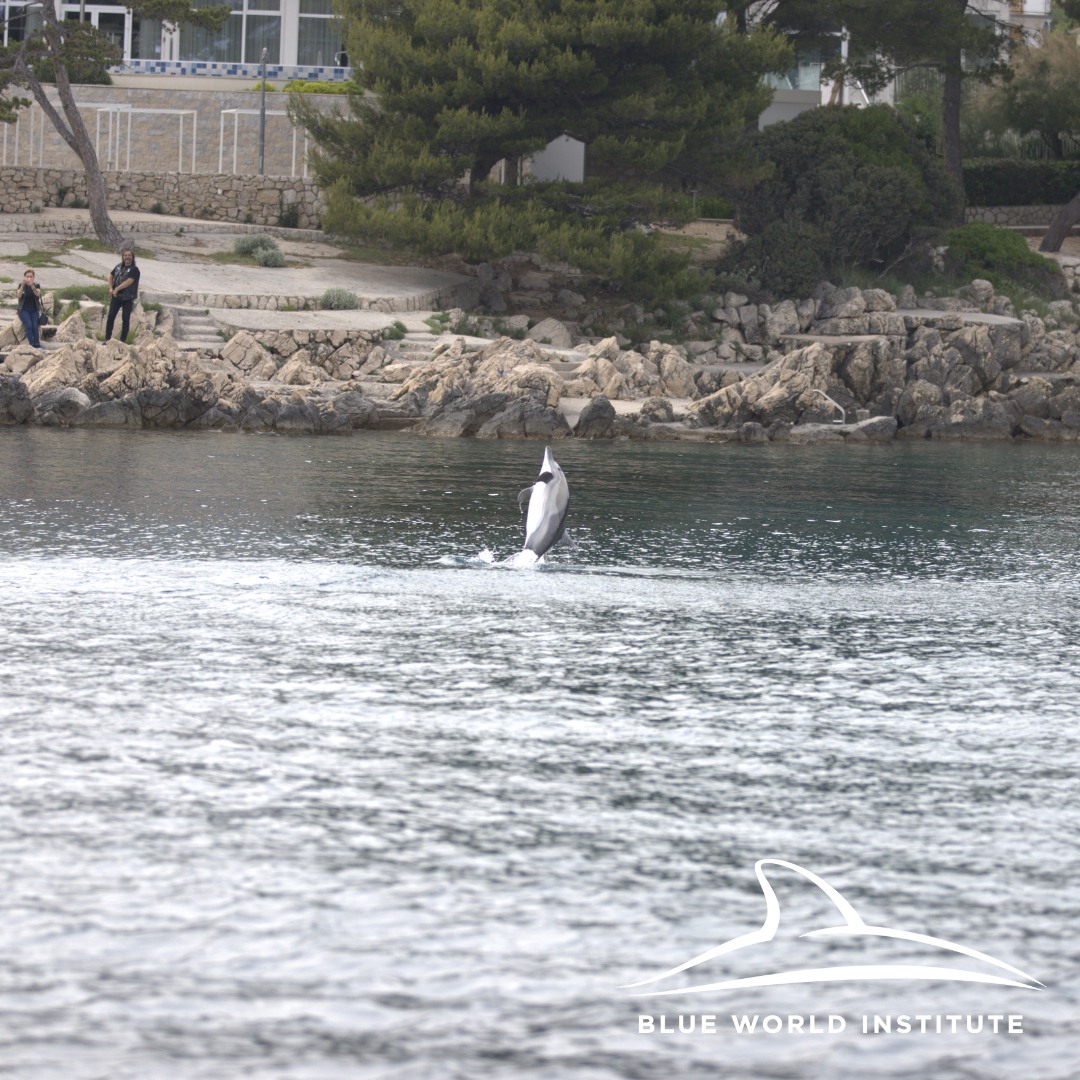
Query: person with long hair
<point x="123" y="288"/>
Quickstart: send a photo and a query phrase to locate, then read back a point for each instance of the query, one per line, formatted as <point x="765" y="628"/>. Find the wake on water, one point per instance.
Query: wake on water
<point x="518" y="561"/>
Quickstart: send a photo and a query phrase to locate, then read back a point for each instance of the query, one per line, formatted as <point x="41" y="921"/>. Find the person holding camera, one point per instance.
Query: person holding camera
<point x="29" y="298"/>
<point x="123" y="288"/>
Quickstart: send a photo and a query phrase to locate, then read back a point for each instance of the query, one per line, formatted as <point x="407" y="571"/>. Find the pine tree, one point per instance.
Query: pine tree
<point x="447" y="88"/>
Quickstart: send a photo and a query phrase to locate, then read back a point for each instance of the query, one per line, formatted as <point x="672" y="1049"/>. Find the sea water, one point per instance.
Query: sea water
<point x="301" y="780"/>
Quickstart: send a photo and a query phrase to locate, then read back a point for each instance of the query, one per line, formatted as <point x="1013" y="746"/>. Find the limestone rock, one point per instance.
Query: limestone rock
<point x="249" y="357"/>
<point x="551" y="332"/>
<point x="597" y="420"/>
<point x="658" y="410"/>
<point x="527" y="419"/>
<point x="73" y="328"/>
<point x="22" y="358"/>
<point x="299" y="371"/>
<point x="876" y="429"/>
<point x="1033" y="396"/>
<point x="361" y="411"/>
<point x="921" y="401"/>
<point x="116" y="413"/>
<point x="56" y="407"/>
<point x="15" y="404"/>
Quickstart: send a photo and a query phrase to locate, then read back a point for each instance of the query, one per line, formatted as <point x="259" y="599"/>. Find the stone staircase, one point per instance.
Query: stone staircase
<point x="195" y="330"/>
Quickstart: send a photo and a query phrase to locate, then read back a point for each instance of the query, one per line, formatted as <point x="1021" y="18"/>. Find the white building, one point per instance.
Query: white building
<point x="803" y="87"/>
<point x="302" y="39"/>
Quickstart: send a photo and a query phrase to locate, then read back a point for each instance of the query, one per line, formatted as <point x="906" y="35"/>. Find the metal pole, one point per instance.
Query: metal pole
<point x="262" y="111"/>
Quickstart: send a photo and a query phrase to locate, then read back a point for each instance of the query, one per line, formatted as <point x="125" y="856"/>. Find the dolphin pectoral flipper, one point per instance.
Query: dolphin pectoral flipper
<point x="524" y="496"/>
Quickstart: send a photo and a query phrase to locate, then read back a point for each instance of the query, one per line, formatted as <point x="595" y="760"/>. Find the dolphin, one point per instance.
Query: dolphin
<point x="549" y="499"/>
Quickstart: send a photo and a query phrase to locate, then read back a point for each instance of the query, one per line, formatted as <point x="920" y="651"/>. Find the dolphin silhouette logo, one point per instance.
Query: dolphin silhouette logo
<point x="853" y="926"/>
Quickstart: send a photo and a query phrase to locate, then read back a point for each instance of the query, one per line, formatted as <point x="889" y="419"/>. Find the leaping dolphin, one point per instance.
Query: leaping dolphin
<point x="549" y="499"/>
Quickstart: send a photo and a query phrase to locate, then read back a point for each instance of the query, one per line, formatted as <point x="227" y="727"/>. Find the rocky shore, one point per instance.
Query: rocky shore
<point x="844" y="364"/>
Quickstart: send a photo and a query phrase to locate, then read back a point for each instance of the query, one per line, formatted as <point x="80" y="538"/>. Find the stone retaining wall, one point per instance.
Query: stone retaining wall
<point x="1012" y="216"/>
<point x="252" y="200"/>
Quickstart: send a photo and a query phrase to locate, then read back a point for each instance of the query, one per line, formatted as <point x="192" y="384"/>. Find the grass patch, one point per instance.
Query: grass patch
<point x="378" y="255"/>
<point x="36" y="259"/>
<point x="100" y="293"/>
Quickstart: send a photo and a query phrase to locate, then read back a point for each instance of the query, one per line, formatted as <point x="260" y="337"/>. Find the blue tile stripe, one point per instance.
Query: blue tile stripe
<point x="244" y="71"/>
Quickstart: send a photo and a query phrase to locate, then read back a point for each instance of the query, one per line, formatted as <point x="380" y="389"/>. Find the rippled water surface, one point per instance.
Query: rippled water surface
<point x="298" y="783"/>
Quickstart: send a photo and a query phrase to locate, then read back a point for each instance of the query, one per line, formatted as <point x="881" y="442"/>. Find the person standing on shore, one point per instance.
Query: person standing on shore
<point x="29" y="296"/>
<point x="123" y="288"/>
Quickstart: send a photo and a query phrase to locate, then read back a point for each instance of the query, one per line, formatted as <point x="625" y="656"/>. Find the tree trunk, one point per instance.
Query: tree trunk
<point x="950" y="116"/>
<point x="1059" y="228"/>
<point x="73" y="132"/>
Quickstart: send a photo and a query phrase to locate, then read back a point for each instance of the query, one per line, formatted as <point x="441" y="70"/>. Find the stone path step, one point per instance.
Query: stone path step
<point x="194" y="329"/>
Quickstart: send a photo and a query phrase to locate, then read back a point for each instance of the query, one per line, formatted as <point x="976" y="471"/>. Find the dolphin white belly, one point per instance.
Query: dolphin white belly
<point x="549" y="499"/>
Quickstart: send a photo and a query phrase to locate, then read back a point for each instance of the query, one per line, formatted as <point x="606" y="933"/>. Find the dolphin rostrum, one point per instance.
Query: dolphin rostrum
<point x="549" y="499"/>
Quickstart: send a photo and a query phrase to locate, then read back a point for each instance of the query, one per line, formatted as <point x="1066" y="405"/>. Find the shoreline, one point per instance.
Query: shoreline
<point x="961" y="367"/>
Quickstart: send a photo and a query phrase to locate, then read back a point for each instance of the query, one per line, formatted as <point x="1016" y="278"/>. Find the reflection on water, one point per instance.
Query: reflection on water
<point x="296" y="786"/>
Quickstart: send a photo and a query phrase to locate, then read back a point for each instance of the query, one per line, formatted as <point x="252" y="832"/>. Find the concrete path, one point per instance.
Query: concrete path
<point x="176" y="257"/>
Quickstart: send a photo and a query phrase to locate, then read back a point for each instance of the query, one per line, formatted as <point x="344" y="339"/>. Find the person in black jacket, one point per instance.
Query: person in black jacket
<point x="123" y="288"/>
<point x="29" y="296"/>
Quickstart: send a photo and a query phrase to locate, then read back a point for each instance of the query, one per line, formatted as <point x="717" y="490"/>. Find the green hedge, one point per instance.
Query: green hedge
<point x="1020" y="182"/>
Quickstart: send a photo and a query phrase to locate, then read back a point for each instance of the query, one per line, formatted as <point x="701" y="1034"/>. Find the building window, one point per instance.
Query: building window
<point x="318" y="41"/>
<point x="146" y="39"/>
<point x="23" y="21"/>
<point x="254" y="25"/>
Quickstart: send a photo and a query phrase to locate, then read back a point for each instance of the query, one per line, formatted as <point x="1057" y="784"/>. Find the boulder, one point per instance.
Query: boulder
<point x="299" y="371"/>
<point x="1033" y="396"/>
<point x="920" y="401"/>
<point x="55" y="408"/>
<point x="464" y="417"/>
<point x="361" y="411"/>
<point x="73" y="328"/>
<point x="988" y="417"/>
<point x="22" y="358"/>
<point x="244" y="353"/>
<point x="116" y="413"/>
<point x="67" y="366"/>
<point x="297" y="416"/>
<point x="657" y="410"/>
<point x="597" y="420"/>
<point x="842" y="304"/>
<point x="15" y="404"/>
<point x="1047" y="430"/>
<point x="876" y="429"/>
<point x="551" y="332"/>
<point x="526" y="419"/>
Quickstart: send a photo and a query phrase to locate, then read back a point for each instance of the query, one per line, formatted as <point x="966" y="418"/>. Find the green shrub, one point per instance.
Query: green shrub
<point x="100" y="293"/>
<point x="978" y="250"/>
<point x="861" y="180"/>
<point x="266" y="256"/>
<point x="289" y="218"/>
<point x="158" y="208"/>
<point x="1020" y="182"/>
<point x="312" y="86"/>
<point x="786" y="259"/>
<point x="270" y="87"/>
<point x="714" y="206"/>
<point x="395" y="332"/>
<point x="253" y="243"/>
<point x="339" y="300"/>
